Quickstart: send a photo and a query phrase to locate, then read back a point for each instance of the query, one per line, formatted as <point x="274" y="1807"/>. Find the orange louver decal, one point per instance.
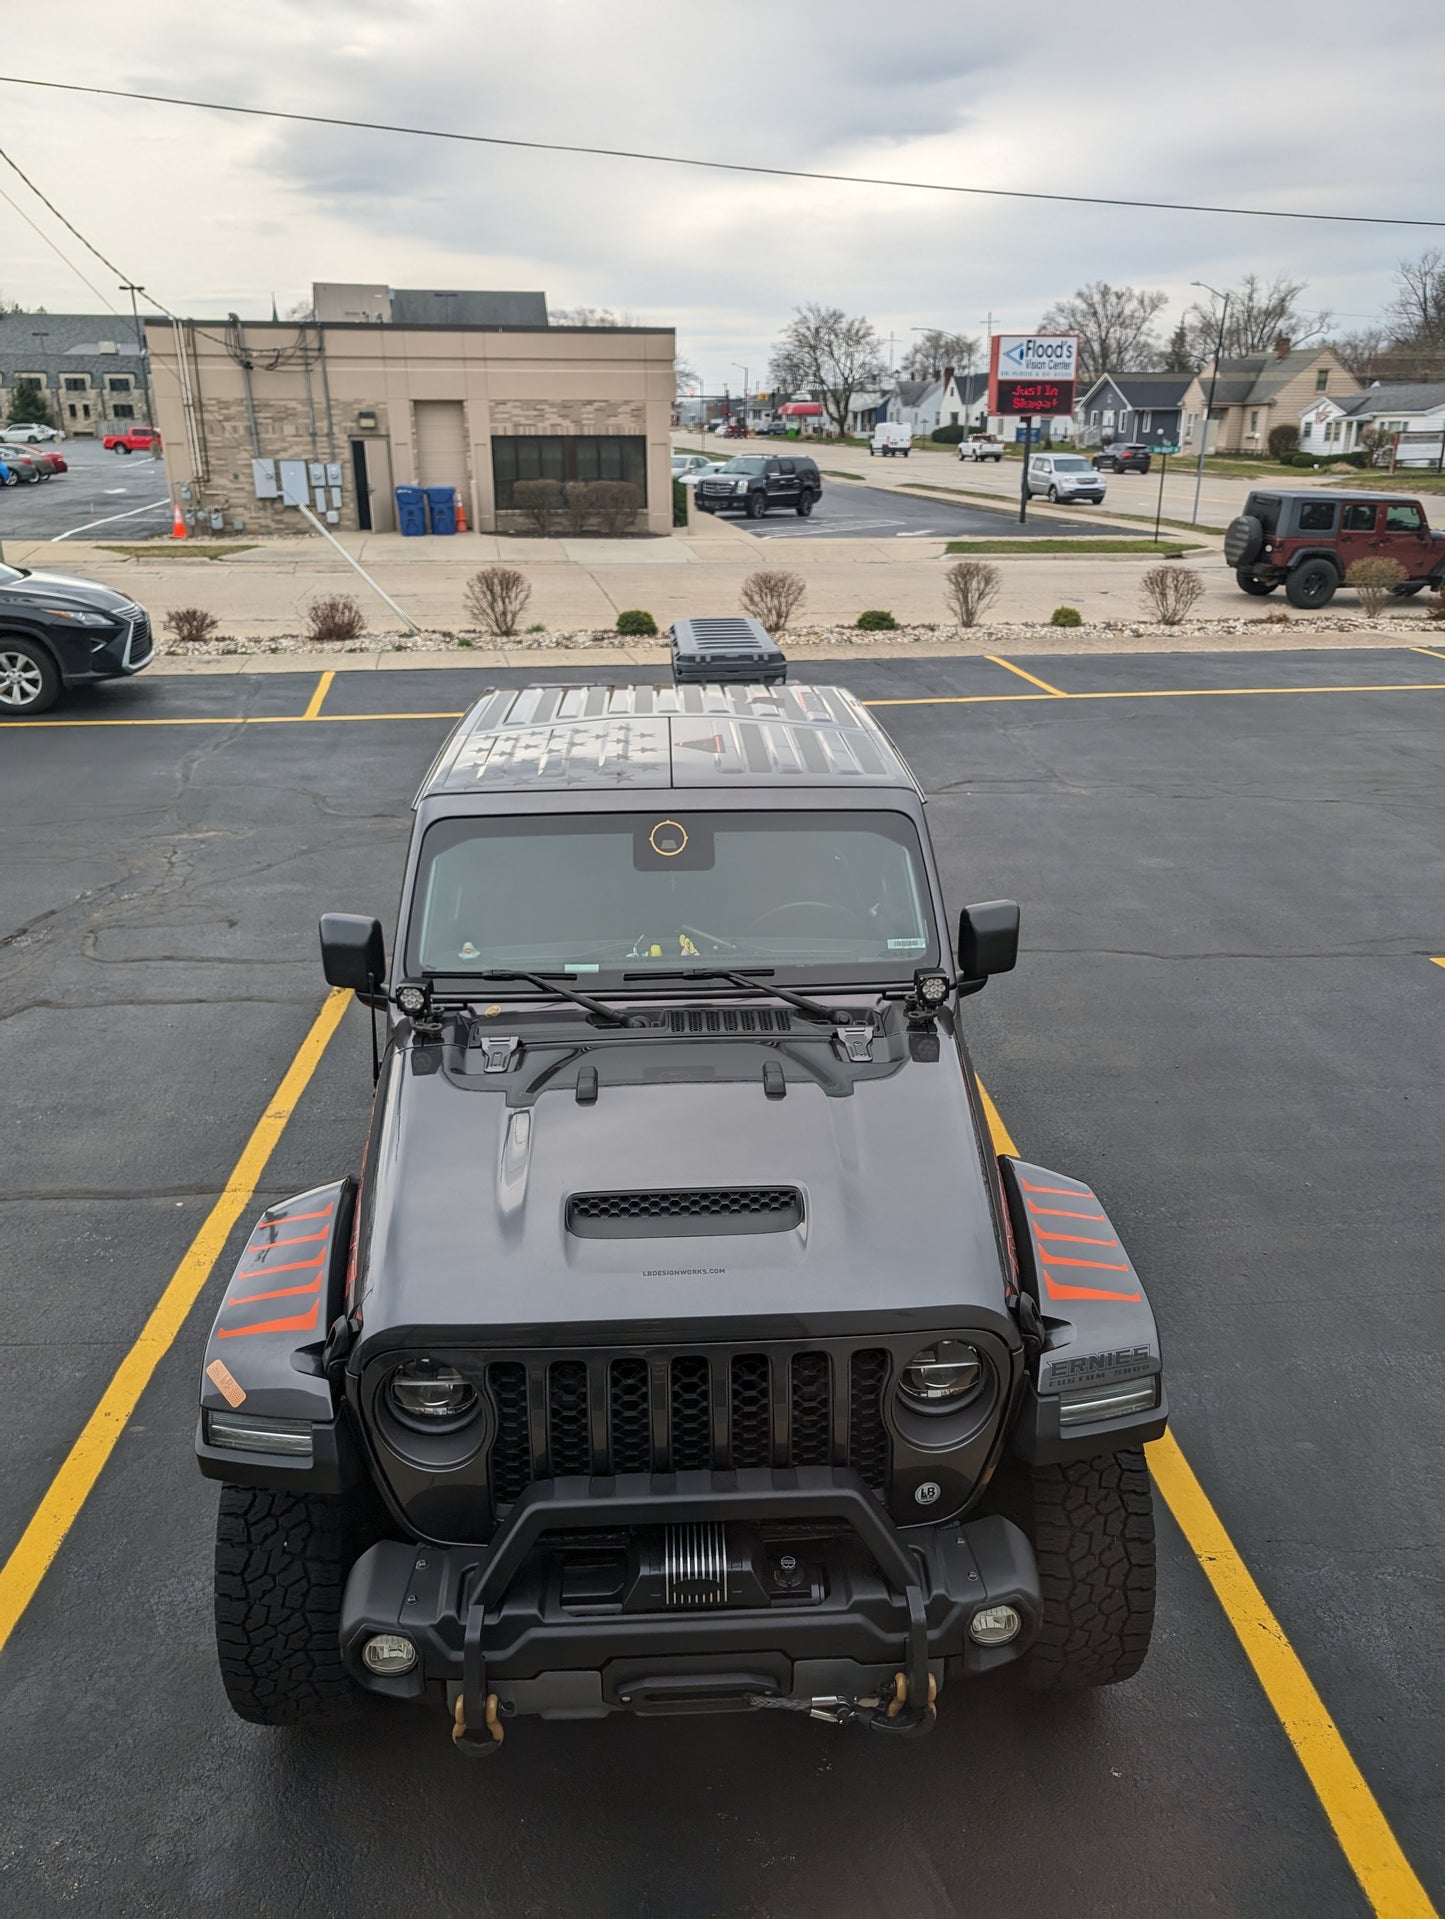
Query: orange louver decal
<point x="302" y="1323"/>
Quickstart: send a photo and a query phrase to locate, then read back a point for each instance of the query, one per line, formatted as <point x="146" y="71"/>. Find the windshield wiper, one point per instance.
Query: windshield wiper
<point x="545" y="982"/>
<point x="809" y="1006"/>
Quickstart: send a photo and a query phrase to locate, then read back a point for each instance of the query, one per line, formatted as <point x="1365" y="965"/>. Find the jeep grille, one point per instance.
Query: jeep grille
<point x="677" y="1412"/>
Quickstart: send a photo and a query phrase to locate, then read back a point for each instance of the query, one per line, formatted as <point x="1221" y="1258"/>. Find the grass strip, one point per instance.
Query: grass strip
<point x="1024" y="547"/>
<point x="179" y="550"/>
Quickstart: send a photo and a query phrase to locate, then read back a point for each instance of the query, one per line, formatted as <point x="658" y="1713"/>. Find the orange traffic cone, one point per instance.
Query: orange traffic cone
<point x="462" y="526"/>
<point x="179" y="530"/>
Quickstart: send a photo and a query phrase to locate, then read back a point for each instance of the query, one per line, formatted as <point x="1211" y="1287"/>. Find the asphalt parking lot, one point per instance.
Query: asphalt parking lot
<point x="110" y="496"/>
<point x="848" y="511"/>
<point x="1228" y="1017"/>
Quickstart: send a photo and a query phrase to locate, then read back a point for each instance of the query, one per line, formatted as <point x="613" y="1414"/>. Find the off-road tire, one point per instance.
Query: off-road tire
<point x="1247" y="583"/>
<point x="29" y="679"/>
<point x="1313" y="584"/>
<point x="1244" y="540"/>
<point x="281" y="1565"/>
<point x="1092" y="1525"/>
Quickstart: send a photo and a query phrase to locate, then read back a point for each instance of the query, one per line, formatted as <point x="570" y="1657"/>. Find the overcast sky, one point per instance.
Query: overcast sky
<point x="1336" y="107"/>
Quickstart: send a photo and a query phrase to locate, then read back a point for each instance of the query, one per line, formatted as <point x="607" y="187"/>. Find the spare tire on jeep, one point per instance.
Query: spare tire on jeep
<point x="1244" y="540"/>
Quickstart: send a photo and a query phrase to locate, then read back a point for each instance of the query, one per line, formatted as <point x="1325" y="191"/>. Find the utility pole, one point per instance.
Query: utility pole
<point x="1213" y="376"/>
<point x="145" y="363"/>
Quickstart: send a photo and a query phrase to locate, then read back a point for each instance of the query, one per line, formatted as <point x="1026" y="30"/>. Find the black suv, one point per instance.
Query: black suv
<point x="57" y="632"/>
<point x="683" y="1343"/>
<point x="754" y="483"/>
<point x="1123" y="459"/>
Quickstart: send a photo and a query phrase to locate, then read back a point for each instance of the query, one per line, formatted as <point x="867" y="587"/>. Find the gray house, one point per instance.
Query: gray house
<point x="1140" y="409"/>
<point x="87" y="365"/>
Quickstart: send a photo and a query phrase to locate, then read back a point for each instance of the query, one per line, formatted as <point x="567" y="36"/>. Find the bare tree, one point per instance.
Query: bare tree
<point x="1263" y="315"/>
<point x="685" y="377"/>
<point x="831" y="354"/>
<point x="496" y="598"/>
<point x="1171" y="591"/>
<point x="1418" y="308"/>
<point x="1115" y="326"/>
<point x="590" y="316"/>
<point x="935" y="350"/>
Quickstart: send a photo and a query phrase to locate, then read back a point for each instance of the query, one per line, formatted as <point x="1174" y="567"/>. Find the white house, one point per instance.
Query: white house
<point x="1411" y="415"/>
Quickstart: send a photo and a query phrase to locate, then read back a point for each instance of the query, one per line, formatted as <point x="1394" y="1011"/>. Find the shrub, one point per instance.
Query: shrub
<point x="191" y="625"/>
<point x="970" y="588"/>
<point x="616" y="503"/>
<point x="334" y="617"/>
<point x="876" y="620"/>
<point x="679" y="503"/>
<point x="1375" y="582"/>
<point x="1282" y="440"/>
<point x="1435" y="607"/>
<point x="536" y="627"/>
<point x="1172" y="592"/>
<point x="948" y="435"/>
<point x="1066" y="616"/>
<point x="1276" y="616"/>
<point x="772" y="597"/>
<point x="577" y="506"/>
<point x="497" y="598"/>
<point x="540" y="500"/>
<point x="637" y="622"/>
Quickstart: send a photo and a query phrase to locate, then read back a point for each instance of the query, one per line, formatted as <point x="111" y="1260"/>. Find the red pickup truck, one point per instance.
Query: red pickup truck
<point x="139" y="439"/>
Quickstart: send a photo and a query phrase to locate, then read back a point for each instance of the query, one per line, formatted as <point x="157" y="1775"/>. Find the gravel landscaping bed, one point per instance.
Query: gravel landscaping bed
<point x="1257" y="628"/>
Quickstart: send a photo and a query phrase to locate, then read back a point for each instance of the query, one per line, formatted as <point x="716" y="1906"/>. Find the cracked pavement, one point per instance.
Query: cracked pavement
<point x="1224" y="1018"/>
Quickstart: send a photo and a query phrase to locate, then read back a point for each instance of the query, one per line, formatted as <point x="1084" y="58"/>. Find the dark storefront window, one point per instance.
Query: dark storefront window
<point x="585" y="456"/>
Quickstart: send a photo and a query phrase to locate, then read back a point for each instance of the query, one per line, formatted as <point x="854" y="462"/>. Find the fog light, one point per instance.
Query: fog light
<point x="389" y="1653"/>
<point x="994" y="1626"/>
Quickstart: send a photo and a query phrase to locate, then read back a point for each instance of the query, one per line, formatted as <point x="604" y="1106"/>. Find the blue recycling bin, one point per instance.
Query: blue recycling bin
<point x="410" y="511"/>
<point x="442" y="505"/>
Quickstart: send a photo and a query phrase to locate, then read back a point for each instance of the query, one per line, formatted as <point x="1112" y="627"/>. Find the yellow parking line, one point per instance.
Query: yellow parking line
<point x="237" y="719"/>
<point x="1032" y="679"/>
<point x="1354" y="1814"/>
<point x="1437" y="962"/>
<point x="1162" y="693"/>
<point x="323" y="687"/>
<point x="70" y="1488"/>
<point x="1429" y="652"/>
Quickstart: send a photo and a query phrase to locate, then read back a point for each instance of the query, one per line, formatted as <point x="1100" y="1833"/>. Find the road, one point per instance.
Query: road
<point x="1128" y="493"/>
<point x="1225" y="1018"/>
<point x="104" y="496"/>
<point x="847" y="511"/>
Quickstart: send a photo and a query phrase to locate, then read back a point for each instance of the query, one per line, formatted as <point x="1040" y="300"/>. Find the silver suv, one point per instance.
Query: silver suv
<point x="1064" y="476"/>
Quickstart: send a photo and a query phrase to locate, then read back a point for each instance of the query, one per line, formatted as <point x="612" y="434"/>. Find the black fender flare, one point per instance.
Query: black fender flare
<point x="1327" y="554"/>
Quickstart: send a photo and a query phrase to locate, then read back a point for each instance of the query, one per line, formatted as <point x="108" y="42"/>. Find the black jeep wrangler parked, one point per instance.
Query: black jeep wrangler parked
<point x="682" y="1343"/>
<point x="756" y="482"/>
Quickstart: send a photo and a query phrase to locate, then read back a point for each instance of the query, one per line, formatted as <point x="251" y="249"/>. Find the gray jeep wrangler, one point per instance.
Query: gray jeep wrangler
<point x="681" y="1343"/>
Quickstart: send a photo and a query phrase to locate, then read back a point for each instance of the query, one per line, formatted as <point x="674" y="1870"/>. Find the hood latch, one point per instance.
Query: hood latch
<point x="856" y="1042"/>
<point x="498" y="1050"/>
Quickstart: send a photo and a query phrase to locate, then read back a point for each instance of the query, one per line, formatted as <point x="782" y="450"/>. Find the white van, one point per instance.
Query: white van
<point x="890" y="437"/>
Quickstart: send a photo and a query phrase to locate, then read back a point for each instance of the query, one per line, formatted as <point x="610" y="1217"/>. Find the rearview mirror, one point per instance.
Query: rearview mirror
<point x="988" y="939"/>
<point x="353" y="951"/>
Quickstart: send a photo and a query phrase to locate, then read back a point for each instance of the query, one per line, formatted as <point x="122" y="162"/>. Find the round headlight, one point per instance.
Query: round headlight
<point x="944" y="1377"/>
<point x="430" y="1396"/>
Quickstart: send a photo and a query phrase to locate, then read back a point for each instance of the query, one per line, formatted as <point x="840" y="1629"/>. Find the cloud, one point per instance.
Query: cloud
<point x="1130" y="101"/>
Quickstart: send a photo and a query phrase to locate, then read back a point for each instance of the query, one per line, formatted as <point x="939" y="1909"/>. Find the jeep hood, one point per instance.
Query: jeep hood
<point x="465" y="1234"/>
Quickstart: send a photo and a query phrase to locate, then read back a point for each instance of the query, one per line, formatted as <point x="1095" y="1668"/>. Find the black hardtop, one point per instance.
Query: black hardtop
<point x="1331" y="493"/>
<point x="602" y="738"/>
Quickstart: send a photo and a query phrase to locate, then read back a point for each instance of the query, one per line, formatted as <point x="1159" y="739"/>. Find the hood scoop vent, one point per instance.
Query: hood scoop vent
<point x="694" y="1213"/>
<point x="733" y="1020"/>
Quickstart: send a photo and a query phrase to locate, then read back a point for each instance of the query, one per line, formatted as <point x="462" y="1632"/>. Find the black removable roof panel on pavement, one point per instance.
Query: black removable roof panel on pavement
<point x="730" y="648"/>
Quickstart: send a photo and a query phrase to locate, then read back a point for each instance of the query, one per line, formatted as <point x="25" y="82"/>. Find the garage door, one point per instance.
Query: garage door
<point x="441" y="443"/>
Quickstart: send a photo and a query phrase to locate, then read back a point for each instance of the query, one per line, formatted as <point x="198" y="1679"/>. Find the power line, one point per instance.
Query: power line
<point x="719" y="166"/>
<point x="58" y="254"/>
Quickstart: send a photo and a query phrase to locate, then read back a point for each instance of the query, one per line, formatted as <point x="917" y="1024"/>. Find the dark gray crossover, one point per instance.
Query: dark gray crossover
<point x="681" y="1342"/>
<point x="57" y="632"/>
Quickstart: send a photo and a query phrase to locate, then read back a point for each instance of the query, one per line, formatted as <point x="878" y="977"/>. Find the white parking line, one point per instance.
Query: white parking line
<point x="129" y="514"/>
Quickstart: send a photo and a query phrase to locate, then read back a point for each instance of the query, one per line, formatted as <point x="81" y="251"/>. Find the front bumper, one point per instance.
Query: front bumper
<point x="704" y="1617"/>
<point x="97" y="654"/>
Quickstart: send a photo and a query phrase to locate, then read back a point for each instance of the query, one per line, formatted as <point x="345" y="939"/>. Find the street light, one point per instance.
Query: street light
<point x="1213" y="376"/>
<point x="747" y="388"/>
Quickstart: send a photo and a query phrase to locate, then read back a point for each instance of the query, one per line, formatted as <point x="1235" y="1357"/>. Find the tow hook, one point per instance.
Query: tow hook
<point x="887" y="1710"/>
<point x="485" y="1741"/>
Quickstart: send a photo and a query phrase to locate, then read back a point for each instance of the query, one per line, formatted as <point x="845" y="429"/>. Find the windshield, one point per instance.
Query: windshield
<point x="828" y="896"/>
<point x="745" y="466"/>
<point x="10" y="574"/>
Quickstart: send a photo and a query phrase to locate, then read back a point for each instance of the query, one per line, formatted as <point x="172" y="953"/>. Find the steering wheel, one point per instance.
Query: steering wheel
<point x="850" y="919"/>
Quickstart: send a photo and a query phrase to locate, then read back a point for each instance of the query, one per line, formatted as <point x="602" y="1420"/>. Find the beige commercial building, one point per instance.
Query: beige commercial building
<point x="258" y="415"/>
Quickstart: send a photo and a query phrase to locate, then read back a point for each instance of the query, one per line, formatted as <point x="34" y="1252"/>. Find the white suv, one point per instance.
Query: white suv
<point x="1064" y="476"/>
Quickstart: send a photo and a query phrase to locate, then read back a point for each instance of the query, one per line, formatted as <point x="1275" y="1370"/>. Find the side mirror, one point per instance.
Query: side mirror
<point x="988" y="939"/>
<point x="353" y="952"/>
